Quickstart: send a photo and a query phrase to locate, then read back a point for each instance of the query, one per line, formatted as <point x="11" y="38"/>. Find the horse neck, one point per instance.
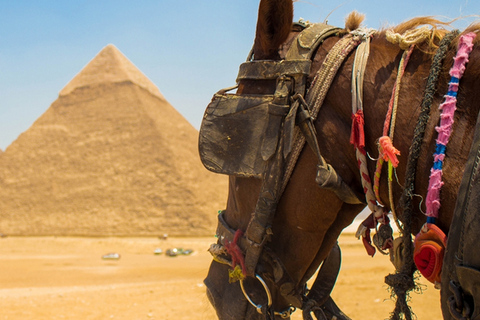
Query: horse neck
<point x="380" y="77"/>
<point x="334" y="120"/>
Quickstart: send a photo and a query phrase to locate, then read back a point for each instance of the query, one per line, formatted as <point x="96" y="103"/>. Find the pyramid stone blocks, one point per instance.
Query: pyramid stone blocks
<point x="109" y="157"/>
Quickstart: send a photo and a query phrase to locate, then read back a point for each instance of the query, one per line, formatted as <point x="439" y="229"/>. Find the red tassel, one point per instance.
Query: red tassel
<point x="388" y="151"/>
<point x="369" y="223"/>
<point x="357" y="137"/>
<point x="235" y="252"/>
<point x="367" y="243"/>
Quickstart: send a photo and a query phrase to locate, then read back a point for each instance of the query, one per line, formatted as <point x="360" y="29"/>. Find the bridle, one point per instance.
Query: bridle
<point x="285" y="136"/>
<point x="303" y="298"/>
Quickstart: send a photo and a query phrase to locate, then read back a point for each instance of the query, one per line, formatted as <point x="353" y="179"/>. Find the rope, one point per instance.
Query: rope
<point x="386" y="149"/>
<point x="401" y="283"/>
<point x="387" y="152"/>
<point x="357" y="137"/>
<point x="325" y="75"/>
<point x="405" y="272"/>
<point x="393" y="105"/>
<point x="448" y="108"/>
<point x="409" y="38"/>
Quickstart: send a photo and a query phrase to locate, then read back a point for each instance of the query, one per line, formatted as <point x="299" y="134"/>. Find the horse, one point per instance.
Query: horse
<point x="308" y="220"/>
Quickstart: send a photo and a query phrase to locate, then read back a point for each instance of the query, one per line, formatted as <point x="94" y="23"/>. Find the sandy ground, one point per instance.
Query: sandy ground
<point x="66" y="278"/>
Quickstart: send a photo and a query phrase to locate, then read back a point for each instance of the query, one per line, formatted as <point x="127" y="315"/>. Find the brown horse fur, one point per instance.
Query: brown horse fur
<point x="309" y="219"/>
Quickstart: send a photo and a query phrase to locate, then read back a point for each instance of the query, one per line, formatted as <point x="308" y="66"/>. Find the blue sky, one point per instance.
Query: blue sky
<point x="188" y="48"/>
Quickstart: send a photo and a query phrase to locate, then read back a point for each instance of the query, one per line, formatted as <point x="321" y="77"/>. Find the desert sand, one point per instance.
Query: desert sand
<point x="66" y="278"/>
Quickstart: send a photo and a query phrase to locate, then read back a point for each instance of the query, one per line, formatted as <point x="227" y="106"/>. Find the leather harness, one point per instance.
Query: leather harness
<point x="274" y="155"/>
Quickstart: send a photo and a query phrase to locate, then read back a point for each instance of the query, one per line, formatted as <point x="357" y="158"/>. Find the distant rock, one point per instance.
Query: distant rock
<point x="109" y="157"/>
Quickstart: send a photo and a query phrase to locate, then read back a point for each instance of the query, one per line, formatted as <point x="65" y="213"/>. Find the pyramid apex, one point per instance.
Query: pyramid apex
<point x="110" y="66"/>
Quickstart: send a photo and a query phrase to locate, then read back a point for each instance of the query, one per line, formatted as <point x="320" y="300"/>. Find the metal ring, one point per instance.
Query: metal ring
<point x="284" y="315"/>
<point x="267" y="291"/>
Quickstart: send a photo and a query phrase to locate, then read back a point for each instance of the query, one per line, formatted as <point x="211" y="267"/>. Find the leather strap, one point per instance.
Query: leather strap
<point x="322" y="286"/>
<point x="267" y="69"/>
<point x="326" y="177"/>
<point x="309" y="40"/>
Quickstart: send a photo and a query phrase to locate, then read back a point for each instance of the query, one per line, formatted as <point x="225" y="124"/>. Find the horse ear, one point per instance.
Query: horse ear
<point x="274" y="23"/>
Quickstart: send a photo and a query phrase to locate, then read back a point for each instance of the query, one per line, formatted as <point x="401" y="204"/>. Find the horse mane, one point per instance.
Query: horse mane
<point x="353" y="21"/>
<point x="474" y="27"/>
<point x="437" y="25"/>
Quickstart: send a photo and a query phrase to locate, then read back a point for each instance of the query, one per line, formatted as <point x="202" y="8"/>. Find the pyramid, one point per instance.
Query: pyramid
<point x="109" y="157"/>
<point x="110" y="66"/>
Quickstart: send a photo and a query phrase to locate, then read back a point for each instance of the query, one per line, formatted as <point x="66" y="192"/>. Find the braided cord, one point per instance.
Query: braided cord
<point x="389" y="130"/>
<point x="419" y="132"/>
<point x="444" y="130"/>
<point x="358" y="71"/>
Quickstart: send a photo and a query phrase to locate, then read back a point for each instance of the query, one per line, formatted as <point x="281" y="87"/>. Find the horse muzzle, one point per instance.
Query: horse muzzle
<point x="250" y="298"/>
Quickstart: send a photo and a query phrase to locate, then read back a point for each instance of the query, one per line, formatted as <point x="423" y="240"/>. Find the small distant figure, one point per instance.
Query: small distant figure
<point x="111" y="256"/>
<point x="164" y="237"/>
<point x="178" y="252"/>
<point x="172" y="252"/>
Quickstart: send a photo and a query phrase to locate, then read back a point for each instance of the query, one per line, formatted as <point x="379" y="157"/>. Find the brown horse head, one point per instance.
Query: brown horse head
<point x="309" y="219"/>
